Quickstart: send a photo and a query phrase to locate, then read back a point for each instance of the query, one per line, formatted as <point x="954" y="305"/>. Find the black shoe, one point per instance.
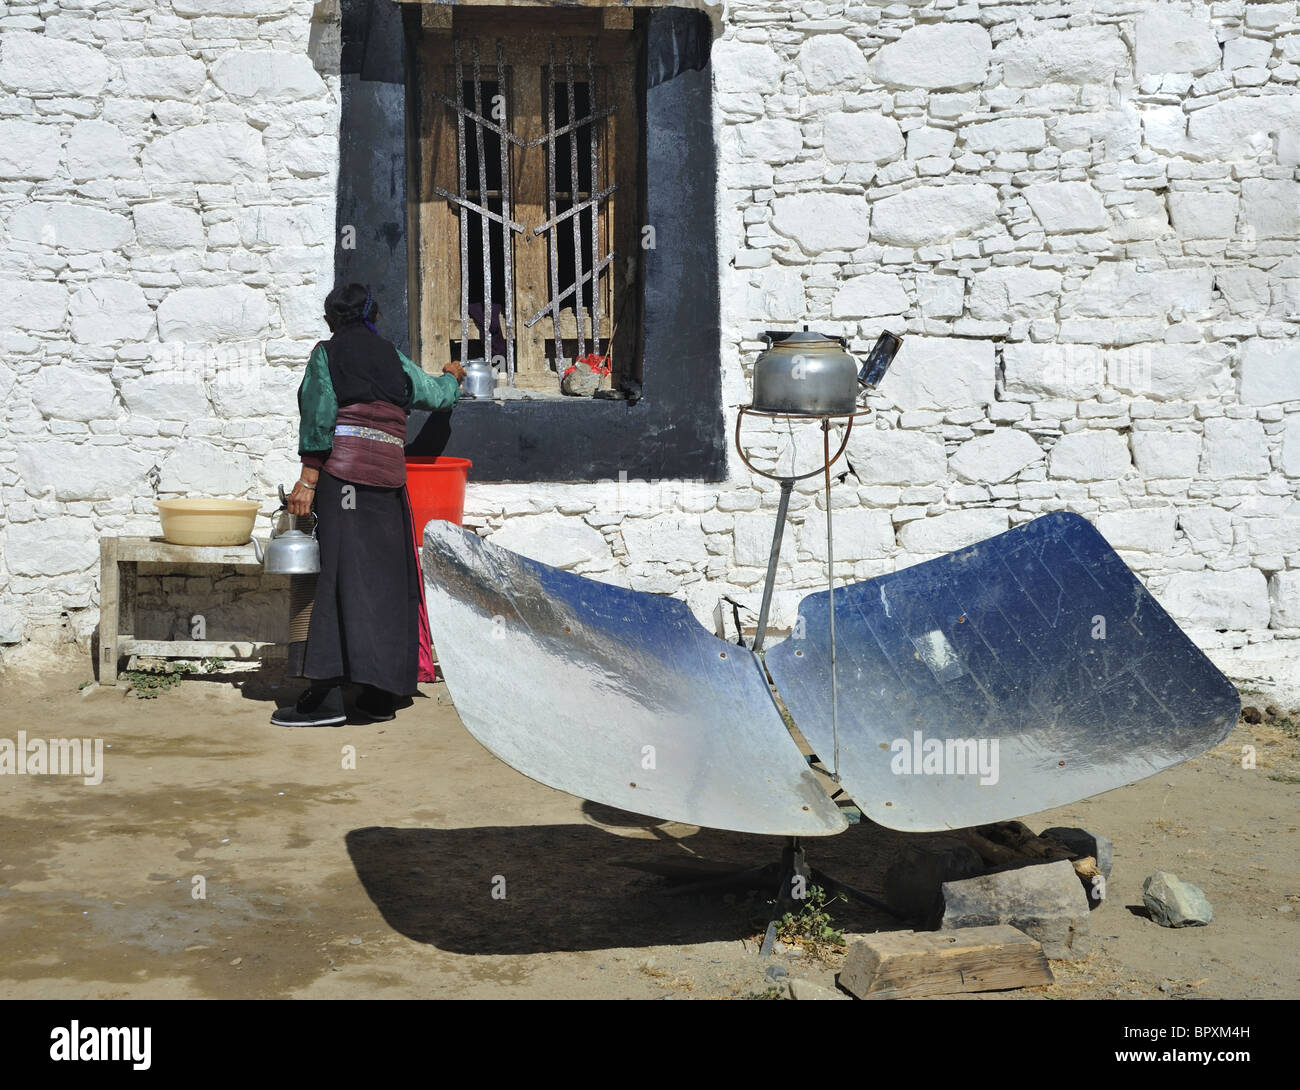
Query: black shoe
<point x="374" y="705"/>
<point x="319" y="706"/>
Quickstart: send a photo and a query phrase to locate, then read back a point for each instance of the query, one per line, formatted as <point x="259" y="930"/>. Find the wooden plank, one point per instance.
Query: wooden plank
<point x="195" y="649"/>
<point x="528" y="186"/>
<point x="912" y="964"/>
<point x="620" y="18"/>
<point x="154" y="550"/>
<point x="625" y="224"/>
<point x="439" y="246"/>
<point x="108" y="611"/>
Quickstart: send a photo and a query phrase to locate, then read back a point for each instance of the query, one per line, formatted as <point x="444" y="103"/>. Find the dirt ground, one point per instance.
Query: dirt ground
<point x="323" y="881"/>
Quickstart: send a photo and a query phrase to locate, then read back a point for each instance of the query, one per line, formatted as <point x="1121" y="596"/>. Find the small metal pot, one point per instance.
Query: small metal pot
<point x="480" y="380"/>
<point x="807" y="373"/>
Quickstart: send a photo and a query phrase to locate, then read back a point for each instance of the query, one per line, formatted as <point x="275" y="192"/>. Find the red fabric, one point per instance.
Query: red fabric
<point x="427" y="670"/>
<point x="312" y="461"/>
<point x="368" y="461"/>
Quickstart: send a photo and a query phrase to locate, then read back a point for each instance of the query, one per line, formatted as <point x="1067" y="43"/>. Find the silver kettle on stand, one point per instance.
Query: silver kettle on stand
<point x="289" y="551"/>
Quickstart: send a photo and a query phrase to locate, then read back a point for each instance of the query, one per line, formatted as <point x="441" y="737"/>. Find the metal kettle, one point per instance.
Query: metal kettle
<point x="289" y="552"/>
<point x="480" y="379"/>
<point x="805" y="372"/>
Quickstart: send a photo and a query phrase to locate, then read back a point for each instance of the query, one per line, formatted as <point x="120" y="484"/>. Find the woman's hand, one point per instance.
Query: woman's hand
<point x="454" y="368"/>
<point x="304" y="492"/>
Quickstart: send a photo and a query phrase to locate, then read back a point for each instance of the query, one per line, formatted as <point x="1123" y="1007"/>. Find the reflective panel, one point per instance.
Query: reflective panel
<point x="1024" y="672"/>
<point x="613" y="695"/>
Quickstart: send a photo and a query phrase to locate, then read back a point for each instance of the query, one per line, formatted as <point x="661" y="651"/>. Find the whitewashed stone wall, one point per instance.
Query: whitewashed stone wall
<point x="1084" y="215"/>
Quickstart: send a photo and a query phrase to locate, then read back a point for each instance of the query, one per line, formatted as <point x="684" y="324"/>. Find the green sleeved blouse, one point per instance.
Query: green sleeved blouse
<point x="318" y="408"/>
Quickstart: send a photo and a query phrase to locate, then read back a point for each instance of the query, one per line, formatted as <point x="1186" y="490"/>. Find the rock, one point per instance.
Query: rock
<point x="229" y="312"/>
<point x="111" y="312"/>
<point x="1217" y="600"/>
<point x="35" y="304"/>
<point x="1165" y="455"/>
<point x="1175" y="903"/>
<point x="1065" y="207"/>
<point x="775" y="972"/>
<point x="860" y="534"/>
<point x="1270" y="371"/>
<point x="1284" y="599"/>
<point x="1270" y="207"/>
<point x="929" y="215"/>
<point x="1246" y="291"/>
<point x="1005" y="134"/>
<point x="160" y="226"/>
<point x="1198" y="215"/>
<point x="1272" y="711"/>
<point x="997" y="456"/>
<point x="223" y="151"/>
<point x="870" y="296"/>
<point x="45" y="63"/>
<point x="33" y="549"/>
<point x="81" y="471"/>
<point x="1073" y="371"/>
<point x="203" y="469"/>
<point x="1223" y="130"/>
<point x="831" y="61"/>
<point x="943" y="373"/>
<point x="937" y="56"/>
<point x="895" y="456"/>
<point x="1090" y="456"/>
<point x="861" y="137"/>
<point x="1234" y="448"/>
<point x="1119" y="288"/>
<point x="914" y="881"/>
<point x="1171" y="372"/>
<point x="1045" y="901"/>
<point x="1082" y="842"/>
<point x="166" y="395"/>
<point x="1143" y="529"/>
<point x="97" y="149"/>
<point x="70" y="226"/>
<point x="1094" y="54"/>
<point x="772" y="140"/>
<point x="1252" y="715"/>
<point x="556" y="540"/>
<point x="72" y="393"/>
<point x="1168" y="41"/>
<point x="806" y="989"/>
<point x="175" y="77"/>
<point x="954" y="530"/>
<point x="29" y="151"/>
<point x="999" y="294"/>
<point x="580" y="382"/>
<point x="823" y="221"/>
<point x="929" y="142"/>
<point x="746" y="67"/>
<point x="267" y="75"/>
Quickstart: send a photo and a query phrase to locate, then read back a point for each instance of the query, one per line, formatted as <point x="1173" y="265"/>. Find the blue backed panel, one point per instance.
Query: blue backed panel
<point x="1001" y="643"/>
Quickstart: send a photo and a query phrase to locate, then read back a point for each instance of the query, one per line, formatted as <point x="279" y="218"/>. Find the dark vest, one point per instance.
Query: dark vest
<point x="365" y="367"/>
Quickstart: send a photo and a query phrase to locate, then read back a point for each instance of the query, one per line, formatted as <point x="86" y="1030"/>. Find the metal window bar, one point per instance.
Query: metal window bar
<point x="485" y="322"/>
<point x="464" y="220"/>
<point x="552" y="241"/>
<point x="592" y="133"/>
<point x="573" y="194"/>
<point x="506" y="248"/>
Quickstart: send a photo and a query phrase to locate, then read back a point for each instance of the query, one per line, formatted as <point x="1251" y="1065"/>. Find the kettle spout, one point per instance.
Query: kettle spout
<point x="257" y="550"/>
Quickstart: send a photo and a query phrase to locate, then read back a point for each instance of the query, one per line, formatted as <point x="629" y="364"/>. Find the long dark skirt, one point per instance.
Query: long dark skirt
<point x="365" y="622"/>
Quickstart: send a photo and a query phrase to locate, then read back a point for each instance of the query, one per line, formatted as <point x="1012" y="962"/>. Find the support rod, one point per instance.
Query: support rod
<point x="783" y="508"/>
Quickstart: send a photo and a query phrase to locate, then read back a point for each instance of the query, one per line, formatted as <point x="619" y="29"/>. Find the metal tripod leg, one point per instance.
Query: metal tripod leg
<point x="783" y="509"/>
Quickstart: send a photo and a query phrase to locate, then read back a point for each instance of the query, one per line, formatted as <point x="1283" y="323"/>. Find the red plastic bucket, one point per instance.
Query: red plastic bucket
<point x="437" y="488"/>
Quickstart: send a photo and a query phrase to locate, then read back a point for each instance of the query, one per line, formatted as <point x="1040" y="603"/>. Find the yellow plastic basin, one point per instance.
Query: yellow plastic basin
<point x="207" y="522"/>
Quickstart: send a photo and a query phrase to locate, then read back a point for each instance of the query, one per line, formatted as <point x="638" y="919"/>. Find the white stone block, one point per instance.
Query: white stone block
<point x="1270" y="371"/>
<point x="1235" y="127"/>
<point x="1005" y="134"/>
<point x="97" y="149"/>
<point x="41" y="62"/>
<point x="744" y="67"/>
<point x="174" y="77"/>
<point x="82" y="471"/>
<point x="1291" y="446"/>
<point x="1090" y="456"/>
<point x="1234" y="448"/>
<point x="223" y="151"/>
<point x="753" y="542"/>
<point x="302" y="311"/>
<point x="231" y="312"/>
<point x="772" y="140"/>
<point x="166" y="395"/>
<point x="1075" y="371"/>
<point x="1270" y="208"/>
<point x="1141" y="529"/>
<point x="1166" y="455"/>
<point x="203" y="469"/>
<point x="997" y="456"/>
<point x="777" y="295"/>
<point x="35" y="304"/>
<point x="1171" y="372"/>
<point x="936" y="56"/>
<point x="1199" y="214"/>
<point x="29" y="151"/>
<point x="1284" y="599"/>
<point x="1119" y="289"/>
<point x="267" y="75"/>
<point x="1014" y="292"/>
<point x="72" y="393"/>
<point x="1065" y="207"/>
<point x="70" y="226"/>
<point x="33" y="549"/>
<point x="1094" y="54"/>
<point x="860" y="534"/>
<point x="929" y="142"/>
<point x="832" y="61"/>
<point x="161" y="226"/>
<point x="823" y="221"/>
<point x="942" y="373"/>
<point x="870" y="296"/>
<point x="111" y="312"/>
<point x="861" y="137"/>
<point x="940" y="296"/>
<point x="929" y="215"/>
<point x="553" y="539"/>
<point x="1246" y="53"/>
<point x="1236" y="599"/>
<point x="954" y="530"/>
<point x="895" y="456"/>
<point x="1169" y="41"/>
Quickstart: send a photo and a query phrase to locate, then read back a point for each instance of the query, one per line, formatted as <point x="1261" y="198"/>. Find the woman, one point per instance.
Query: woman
<point x="365" y="622"/>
